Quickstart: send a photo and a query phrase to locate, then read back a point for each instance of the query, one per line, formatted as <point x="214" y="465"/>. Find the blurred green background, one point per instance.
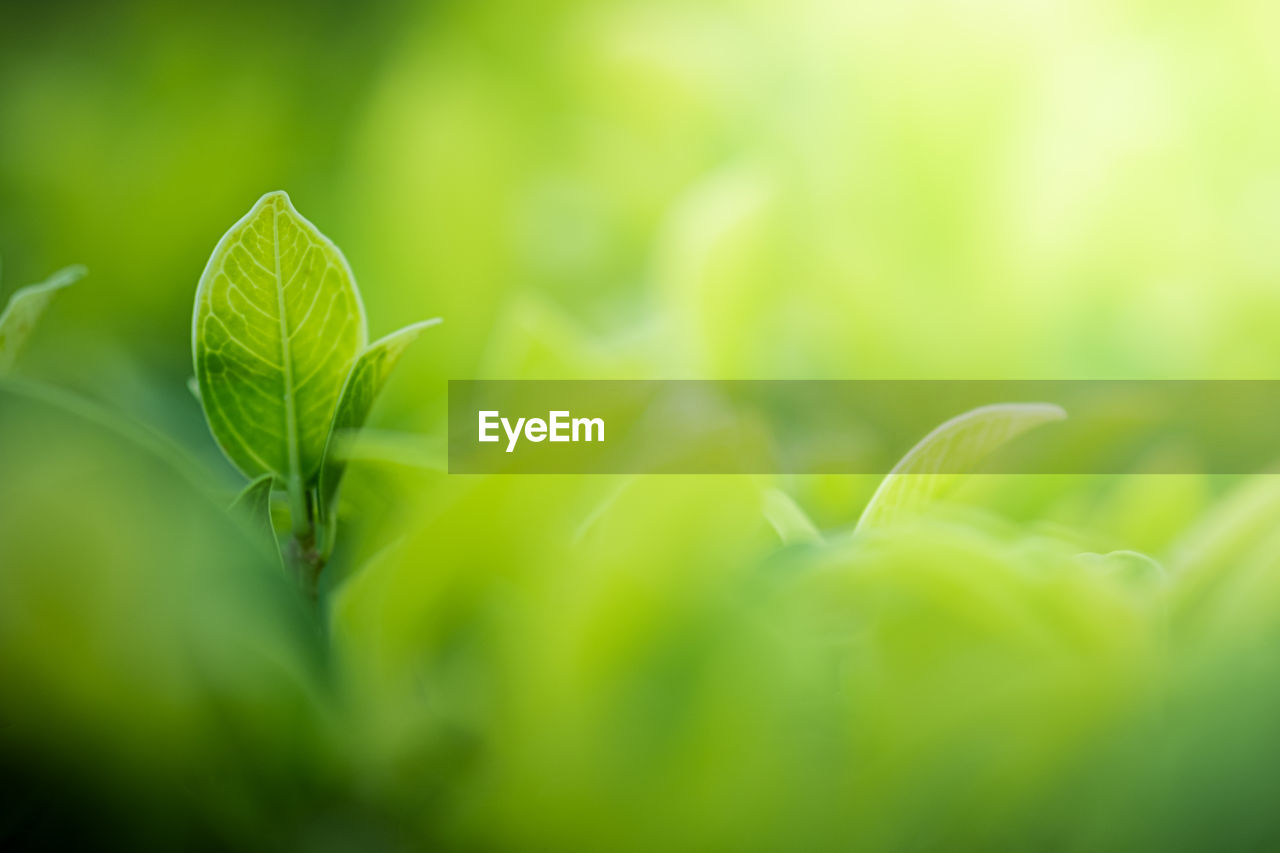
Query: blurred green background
<point x="712" y="189"/>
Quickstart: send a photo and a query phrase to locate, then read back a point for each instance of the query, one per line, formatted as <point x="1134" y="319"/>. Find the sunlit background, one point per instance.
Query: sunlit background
<point x="713" y="189"/>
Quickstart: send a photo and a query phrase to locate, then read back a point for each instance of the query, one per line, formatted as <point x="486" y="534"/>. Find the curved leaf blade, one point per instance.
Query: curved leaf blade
<point x="930" y="468"/>
<point x="24" y="310"/>
<point x="365" y="381"/>
<point x="278" y="321"/>
<point x="254" y="502"/>
<point x="789" y="521"/>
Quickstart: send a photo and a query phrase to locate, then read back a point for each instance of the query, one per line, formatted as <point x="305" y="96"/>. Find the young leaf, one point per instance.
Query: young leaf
<point x="24" y="310"/>
<point x="278" y="321"/>
<point x="930" y="468"/>
<point x="254" y="502"/>
<point x="787" y="518"/>
<point x="362" y="386"/>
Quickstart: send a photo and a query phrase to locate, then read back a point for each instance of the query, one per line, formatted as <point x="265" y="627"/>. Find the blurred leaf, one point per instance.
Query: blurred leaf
<point x="24" y="309"/>
<point x="146" y="643"/>
<point x="254" y="503"/>
<point x="135" y="432"/>
<point x="278" y="321"/>
<point x="361" y="389"/>
<point x="786" y="516"/>
<point x="194" y="387"/>
<point x="1216" y="553"/>
<point x="929" y="469"/>
<point x="1234" y="526"/>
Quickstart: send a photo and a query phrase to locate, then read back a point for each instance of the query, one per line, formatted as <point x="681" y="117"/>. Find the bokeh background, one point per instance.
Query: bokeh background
<point x="711" y="189"/>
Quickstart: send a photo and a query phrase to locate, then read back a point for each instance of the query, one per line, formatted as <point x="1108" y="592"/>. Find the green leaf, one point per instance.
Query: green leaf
<point x="361" y="389"/>
<point x="24" y="310"/>
<point x="254" y="503"/>
<point x="278" y="322"/>
<point x="787" y="518"/>
<point x="931" y="467"/>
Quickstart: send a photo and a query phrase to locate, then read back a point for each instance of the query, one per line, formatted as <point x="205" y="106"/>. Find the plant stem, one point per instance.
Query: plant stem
<point x="302" y="555"/>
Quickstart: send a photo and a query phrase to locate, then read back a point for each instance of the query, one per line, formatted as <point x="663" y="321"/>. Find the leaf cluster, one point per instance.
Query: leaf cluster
<point x="283" y="366"/>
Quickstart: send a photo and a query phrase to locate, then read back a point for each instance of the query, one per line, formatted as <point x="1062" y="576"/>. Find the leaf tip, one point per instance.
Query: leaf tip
<point x="424" y="324"/>
<point x="69" y="275"/>
<point x="1050" y="411"/>
<point x="275" y="200"/>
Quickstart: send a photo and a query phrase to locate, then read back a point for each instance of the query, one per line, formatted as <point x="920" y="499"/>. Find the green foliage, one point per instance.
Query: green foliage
<point x="278" y="323"/>
<point x="281" y="365"/>
<point x="24" y="309"/>
<point x="612" y="189"/>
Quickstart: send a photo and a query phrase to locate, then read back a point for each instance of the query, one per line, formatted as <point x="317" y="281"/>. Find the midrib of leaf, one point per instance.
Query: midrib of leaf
<point x="296" y="500"/>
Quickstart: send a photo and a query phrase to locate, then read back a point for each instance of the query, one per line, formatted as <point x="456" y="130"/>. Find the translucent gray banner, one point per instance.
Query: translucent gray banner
<point x="863" y="427"/>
